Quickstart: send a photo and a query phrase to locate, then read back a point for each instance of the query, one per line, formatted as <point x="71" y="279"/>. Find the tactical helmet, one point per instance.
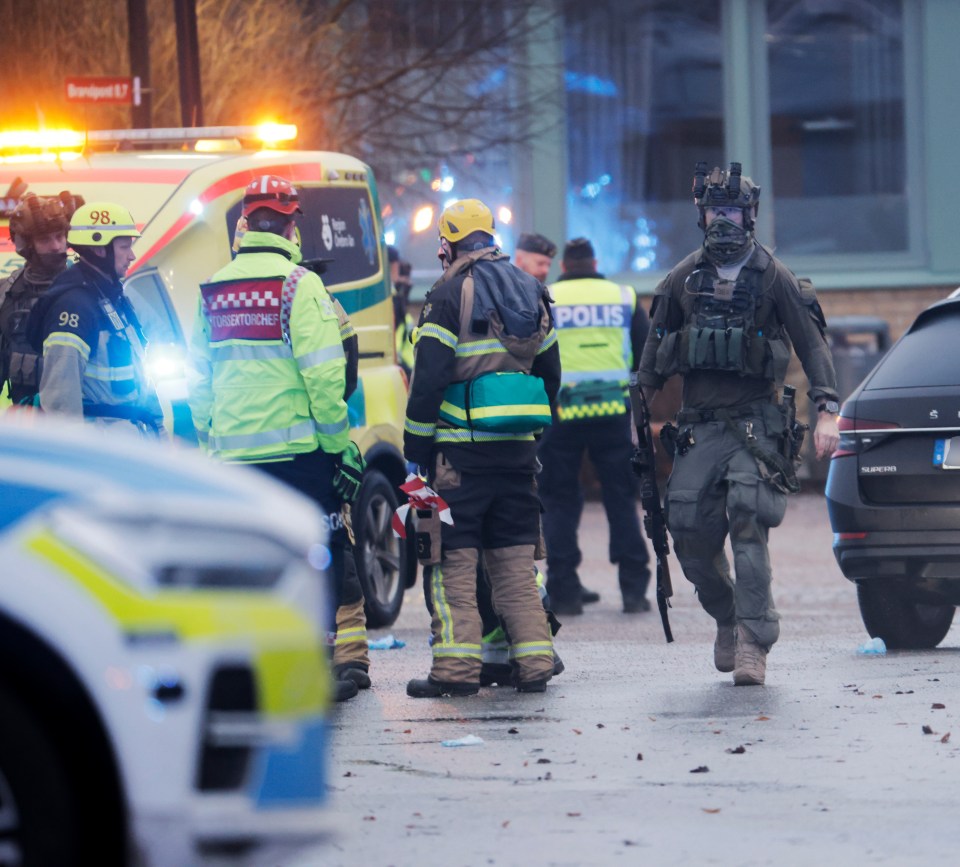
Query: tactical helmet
<point x="725" y="189"/>
<point x="41" y="215"/>
<point x="273" y="192"/>
<point x="463" y="218"/>
<point x="97" y="224"/>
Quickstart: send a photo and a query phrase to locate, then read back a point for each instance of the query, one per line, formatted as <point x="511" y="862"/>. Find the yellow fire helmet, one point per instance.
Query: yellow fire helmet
<point x="464" y="217"/>
<point x="97" y="224"/>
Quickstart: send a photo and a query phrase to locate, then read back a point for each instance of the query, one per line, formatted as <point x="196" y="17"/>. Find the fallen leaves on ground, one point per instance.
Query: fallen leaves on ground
<point x="762" y="718"/>
<point x="736" y="751"/>
<point x="639" y="757"/>
<point x="927" y="730"/>
<point x="700" y="769"/>
<point x="938" y="706"/>
<point x="710" y="809"/>
<point x="945" y="738"/>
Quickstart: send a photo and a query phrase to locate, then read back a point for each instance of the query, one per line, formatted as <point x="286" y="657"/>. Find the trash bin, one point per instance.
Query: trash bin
<point x="857" y="343"/>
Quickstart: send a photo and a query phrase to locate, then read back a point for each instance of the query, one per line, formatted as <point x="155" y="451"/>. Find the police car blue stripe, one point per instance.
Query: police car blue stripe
<point x="98" y="469"/>
<point x="18" y="501"/>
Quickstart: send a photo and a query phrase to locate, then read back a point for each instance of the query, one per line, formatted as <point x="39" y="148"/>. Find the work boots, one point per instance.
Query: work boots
<point x="751" y="659"/>
<point x="430" y="688"/>
<point x="353" y="671"/>
<point x="344" y="690"/>
<point x="724" y="646"/>
<point x="501" y="674"/>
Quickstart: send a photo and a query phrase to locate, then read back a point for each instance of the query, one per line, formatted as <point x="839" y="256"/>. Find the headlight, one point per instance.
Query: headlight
<point x="165" y="361"/>
<point x="151" y="552"/>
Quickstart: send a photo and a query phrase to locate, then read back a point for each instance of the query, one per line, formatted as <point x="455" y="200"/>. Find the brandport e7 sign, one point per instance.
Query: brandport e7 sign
<point x="100" y="88"/>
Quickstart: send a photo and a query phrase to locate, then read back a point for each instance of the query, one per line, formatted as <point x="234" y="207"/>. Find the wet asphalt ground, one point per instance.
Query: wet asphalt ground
<point x="642" y="753"/>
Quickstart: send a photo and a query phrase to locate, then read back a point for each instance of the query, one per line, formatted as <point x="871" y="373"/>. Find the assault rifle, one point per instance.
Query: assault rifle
<point x="645" y="467"/>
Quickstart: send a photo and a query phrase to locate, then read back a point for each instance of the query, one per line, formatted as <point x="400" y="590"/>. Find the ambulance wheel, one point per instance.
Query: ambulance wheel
<point x="39" y="816"/>
<point x="381" y="557"/>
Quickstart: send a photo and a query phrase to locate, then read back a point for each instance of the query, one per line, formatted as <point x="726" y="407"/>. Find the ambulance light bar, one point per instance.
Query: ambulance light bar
<point x="267" y="134"/>
<point x="16" y="145"/>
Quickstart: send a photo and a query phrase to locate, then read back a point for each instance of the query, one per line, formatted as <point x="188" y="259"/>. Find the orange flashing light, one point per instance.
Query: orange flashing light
<point x="273" y="133"/>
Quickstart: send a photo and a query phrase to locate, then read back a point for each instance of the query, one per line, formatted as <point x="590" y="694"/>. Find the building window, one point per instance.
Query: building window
<point x="644" y="104"/>
<point x="836" y="81"/>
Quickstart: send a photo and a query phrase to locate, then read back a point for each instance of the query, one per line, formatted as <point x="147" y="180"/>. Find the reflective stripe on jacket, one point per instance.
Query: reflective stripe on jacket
<point x="592" y="317"/>
<point x="267" y="367"/>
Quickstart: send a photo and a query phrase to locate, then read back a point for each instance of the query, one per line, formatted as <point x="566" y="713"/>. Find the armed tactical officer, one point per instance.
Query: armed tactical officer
<point x="724" y="319"/>
<point x="486" y="372"/>
<point x="38" y="227"/>
<point x="92" y="341"/>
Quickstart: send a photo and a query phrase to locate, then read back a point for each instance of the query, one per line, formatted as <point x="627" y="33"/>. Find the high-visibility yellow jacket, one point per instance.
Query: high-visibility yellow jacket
<point x="267" y="368"/>
<point x="599" y="327"/>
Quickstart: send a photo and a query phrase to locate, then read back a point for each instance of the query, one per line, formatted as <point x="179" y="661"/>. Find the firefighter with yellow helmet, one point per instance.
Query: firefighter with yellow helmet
<point x="486" y="373"/>
<point x="38" y="228"/>
<point x="91" y="339"/>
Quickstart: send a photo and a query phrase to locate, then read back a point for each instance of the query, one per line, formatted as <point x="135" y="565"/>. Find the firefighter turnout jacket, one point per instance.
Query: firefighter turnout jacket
<point x="267" y="368"/>
<point x="93" y="350"/>
<point x="484" y="316"/>
<point x="601" y="329"/>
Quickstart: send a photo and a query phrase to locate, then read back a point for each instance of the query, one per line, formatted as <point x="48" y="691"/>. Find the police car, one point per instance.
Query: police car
<point x="184" y="187"/>
<point x="163" y="690"/>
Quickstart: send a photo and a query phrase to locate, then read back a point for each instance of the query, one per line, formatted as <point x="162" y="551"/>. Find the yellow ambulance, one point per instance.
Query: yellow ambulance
<point x="184" y="187"/>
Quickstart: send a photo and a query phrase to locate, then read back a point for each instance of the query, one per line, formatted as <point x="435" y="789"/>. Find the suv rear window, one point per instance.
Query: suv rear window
<point x="337" y="223"/>
<point x="926" y="356"/>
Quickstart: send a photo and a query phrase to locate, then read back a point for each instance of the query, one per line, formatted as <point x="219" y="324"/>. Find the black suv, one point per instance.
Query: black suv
<point x="893" y="489"/>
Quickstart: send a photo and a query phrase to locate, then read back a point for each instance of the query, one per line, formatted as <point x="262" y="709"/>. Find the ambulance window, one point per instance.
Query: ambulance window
<point x="337" y="224"/>
<point x="154" y="309"/>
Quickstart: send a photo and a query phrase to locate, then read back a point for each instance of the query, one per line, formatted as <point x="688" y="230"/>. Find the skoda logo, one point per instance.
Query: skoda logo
<point x="934" y="414"/>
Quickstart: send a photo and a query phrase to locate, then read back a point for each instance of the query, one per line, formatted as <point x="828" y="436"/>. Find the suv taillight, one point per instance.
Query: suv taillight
<point x="850" y="428"/>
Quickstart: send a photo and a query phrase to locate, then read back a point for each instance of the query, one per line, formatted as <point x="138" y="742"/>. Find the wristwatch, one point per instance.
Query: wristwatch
<point x="830" y="406"/>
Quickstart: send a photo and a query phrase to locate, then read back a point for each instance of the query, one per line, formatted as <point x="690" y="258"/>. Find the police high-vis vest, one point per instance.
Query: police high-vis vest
<point x="592" y="317"/>
<point x="267" y="368"/>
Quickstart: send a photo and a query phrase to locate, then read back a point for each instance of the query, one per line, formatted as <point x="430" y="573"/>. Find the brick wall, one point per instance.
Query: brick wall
<point x="899" y="306"/>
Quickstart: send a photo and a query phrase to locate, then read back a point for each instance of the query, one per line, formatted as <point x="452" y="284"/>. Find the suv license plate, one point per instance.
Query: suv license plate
<point x="946" y="453"/>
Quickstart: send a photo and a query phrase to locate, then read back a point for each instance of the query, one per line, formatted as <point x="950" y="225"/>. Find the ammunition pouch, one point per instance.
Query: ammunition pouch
<point x="732" y="349"/>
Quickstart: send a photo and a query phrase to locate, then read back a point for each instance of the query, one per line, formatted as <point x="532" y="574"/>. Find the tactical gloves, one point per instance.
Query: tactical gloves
<point x="348" y="475"/>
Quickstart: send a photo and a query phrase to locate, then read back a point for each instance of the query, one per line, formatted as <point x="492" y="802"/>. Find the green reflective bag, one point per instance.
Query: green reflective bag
<point x="502" y="402"/>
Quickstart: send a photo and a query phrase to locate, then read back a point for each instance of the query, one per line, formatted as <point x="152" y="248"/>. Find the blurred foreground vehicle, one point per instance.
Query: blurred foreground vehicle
<point x="893" y="489"/>
<point x="187" y="186"/>
<point x="163" y="688"/>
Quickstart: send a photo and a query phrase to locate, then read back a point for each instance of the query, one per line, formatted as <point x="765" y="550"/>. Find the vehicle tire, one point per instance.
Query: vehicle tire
<point x="39" y="815"/>
<point x="899" y="621"/>
<point x="381" y="557"/>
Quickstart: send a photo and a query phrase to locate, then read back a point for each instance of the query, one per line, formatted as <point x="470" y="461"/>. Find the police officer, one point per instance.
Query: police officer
<point x="38" y="227"/>
<point x="88" y="332"/>
<point x="485" y="375"/>
<point x="601" y="329"/>
<point x="267" y="380"/>
<point x="724" y="319"/>
<point x="534" y="254"/>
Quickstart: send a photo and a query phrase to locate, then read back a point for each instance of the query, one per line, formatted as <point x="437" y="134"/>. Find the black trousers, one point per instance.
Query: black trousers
<point x="608" y="443"/>
<point x="312" y="475"/>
